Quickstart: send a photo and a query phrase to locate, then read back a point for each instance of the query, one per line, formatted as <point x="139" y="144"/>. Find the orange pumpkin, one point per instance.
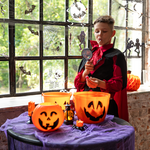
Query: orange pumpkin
<point x="91" y="107"/>
<point x="133" y="82"/>
<point x="48" y="116"/>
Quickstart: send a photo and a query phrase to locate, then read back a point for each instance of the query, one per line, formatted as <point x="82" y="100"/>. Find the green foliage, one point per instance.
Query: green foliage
<point x="25" y="5"/>
<point x="54" y="40"/>
<point x="73" y="65"/>
<point x="4" y="8"/>
<point x="27" y="43"/>
<point x="54" y="10"/>
<point x="4" y="39"/>
<point x="27" y="40"/>
<point x="100" y="8"/>
<point x="4" y="74"/>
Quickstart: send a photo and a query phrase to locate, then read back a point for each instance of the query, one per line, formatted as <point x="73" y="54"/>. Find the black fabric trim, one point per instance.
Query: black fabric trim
<point x="107" y="67"/>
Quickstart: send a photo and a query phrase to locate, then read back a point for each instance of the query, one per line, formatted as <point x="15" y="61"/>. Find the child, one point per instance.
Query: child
<point x="106" y="71"/>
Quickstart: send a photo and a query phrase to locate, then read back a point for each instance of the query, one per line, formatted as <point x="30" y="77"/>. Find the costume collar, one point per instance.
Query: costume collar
<point x="104" y="48"/>
<point x="98" y="51"/>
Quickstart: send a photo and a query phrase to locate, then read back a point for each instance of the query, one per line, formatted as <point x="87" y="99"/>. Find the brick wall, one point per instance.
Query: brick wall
<point x="8" y="113"/>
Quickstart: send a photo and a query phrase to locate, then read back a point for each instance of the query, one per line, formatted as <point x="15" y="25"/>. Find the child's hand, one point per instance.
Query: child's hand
<point x="89" y="66"/>
<point x="92" y="82"/>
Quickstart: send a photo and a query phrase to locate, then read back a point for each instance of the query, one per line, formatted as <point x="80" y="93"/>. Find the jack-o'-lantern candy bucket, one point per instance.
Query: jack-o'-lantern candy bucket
<point x="90" y="106"/>
<point x="48" y="116"/>
<point x="61" y="98"/>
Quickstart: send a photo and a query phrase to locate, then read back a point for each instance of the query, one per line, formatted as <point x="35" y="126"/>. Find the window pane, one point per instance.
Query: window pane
<point x="4" y="77"/>
<point x="4" y="9"/>
<point x="4" y="44"/>
<point x="26" y="40"/>
<point x="27" y="76"/>
<point x="120" y="40"/>
<point x="54" y="10"/>
<point x="136" y="37"/>
<point x="27" y="10"/>
<point x="134" y="16"/>
<point x="54" y="40"/>
<point x="136" y="70"/>
<point x="78" y="12"/>
<point x="118" y="12"/>
<point x="73" y="65"/>
<point x="100" y="8"/>
<point x="78" y="40"/>
<point x="53" y="74"/>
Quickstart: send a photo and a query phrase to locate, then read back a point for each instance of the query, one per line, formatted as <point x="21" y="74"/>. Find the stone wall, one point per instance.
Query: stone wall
<point x="139" y="118"/>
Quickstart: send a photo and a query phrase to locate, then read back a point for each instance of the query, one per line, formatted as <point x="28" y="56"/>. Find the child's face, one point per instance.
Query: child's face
<point x="103" y="33"/>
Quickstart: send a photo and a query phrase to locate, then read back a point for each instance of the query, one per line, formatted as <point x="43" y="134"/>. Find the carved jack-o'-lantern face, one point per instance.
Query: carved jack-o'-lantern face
<point x="91" y="107"/>
<point x="90" y="116"/>
<point x="48" y="116"/>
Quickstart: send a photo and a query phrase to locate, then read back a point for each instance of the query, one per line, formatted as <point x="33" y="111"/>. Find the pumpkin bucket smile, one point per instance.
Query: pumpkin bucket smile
<point x="91" y="107"/>
<point x="48" y="116"/>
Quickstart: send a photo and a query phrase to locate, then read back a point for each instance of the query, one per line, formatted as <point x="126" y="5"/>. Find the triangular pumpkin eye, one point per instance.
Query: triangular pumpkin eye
<point x="99" y="104"/>
<point x="90" y="104"/>
<point x="65" y="103"/>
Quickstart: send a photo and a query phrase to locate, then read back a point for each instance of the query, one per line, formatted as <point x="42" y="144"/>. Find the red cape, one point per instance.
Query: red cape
<point x="121" y="100"/>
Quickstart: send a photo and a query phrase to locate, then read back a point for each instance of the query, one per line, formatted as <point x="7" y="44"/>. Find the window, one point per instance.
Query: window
<point x="41" y="40"/>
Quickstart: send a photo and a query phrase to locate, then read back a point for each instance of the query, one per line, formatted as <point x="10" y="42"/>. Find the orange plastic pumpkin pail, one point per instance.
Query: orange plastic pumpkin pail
<point x="90" y="106"/>
<point x="61" y="98"/>
<point x="48" y="116"/>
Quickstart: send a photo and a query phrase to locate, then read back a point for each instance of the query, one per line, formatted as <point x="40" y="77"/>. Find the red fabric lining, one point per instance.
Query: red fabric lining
<point x="77" y="82"/>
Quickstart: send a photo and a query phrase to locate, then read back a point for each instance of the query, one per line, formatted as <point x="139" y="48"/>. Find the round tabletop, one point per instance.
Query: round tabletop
<point x="107" y="138"/>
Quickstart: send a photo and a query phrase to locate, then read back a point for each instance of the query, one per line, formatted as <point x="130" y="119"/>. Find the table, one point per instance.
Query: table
<point x="112" y="134"/>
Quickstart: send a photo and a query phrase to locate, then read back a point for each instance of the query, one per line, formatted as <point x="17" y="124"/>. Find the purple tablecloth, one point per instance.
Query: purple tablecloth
<point x="107" y="135"/>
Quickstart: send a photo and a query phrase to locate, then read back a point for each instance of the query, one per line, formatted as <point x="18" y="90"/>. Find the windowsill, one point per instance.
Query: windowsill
<point x="20" y="101"/>
<point x="142" y="89"/>
<point x="23" y="100"/>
